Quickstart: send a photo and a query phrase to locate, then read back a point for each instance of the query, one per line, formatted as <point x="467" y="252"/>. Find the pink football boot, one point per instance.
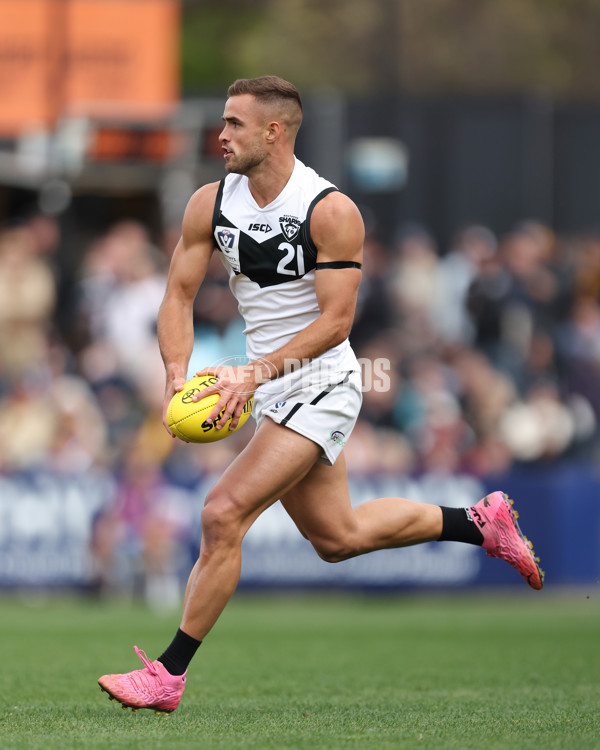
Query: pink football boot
<point x="503" y="538"/>
<point x="150" y="687"/>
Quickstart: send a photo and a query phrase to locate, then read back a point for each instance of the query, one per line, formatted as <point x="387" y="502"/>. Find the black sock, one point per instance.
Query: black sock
<point x="458" y="526"/>
<point x="179" y="653"/>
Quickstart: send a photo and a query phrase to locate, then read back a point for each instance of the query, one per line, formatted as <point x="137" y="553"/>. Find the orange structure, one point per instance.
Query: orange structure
<point x="98" y="58"/>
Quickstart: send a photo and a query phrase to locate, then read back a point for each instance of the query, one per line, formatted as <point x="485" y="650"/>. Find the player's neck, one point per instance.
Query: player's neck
<point x="266" y="184"/>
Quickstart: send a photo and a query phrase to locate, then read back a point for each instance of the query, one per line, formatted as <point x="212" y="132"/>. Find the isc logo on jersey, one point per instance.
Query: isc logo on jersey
<point x="228" y="239"/>
<point x="260" y="228"/>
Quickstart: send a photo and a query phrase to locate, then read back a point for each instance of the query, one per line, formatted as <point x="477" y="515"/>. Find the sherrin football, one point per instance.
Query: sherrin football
<point x="187" y="418"/>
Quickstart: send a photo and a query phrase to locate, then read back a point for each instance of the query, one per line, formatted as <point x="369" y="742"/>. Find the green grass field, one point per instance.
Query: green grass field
<point x="494" y="671"/>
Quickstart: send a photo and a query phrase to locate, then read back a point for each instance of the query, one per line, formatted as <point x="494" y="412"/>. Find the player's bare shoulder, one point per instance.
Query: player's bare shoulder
<point x="337" y="227"/>
<point x="197" y="219"/>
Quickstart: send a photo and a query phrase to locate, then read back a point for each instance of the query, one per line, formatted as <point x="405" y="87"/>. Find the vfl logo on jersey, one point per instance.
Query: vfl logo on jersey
<point x="290" y="226"/>
<point x="228" y="240"/>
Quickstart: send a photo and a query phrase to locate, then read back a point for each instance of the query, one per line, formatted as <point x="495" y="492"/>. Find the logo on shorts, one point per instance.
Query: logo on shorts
<point x="290" y="226"/>
<point x="338" y="437"/>
<point x="278" y="405"/>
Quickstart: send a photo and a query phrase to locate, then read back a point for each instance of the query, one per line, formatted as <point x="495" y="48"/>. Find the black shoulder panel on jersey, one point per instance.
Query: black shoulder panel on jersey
<point x="307" y="240"/>
<point x="217" y="208"/>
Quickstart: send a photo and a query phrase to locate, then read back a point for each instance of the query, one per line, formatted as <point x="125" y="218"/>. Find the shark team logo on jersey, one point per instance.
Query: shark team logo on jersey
<point x="228" y="240"/>
<point x="290" y="226"/>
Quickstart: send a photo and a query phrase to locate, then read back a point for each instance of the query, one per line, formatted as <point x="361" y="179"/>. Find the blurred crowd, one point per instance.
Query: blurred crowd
<point x="493" y="344"/>
<point x="489" y="351"/>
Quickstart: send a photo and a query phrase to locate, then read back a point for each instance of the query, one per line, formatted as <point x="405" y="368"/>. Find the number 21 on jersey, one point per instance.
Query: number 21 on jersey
<point x="285" y="265"/>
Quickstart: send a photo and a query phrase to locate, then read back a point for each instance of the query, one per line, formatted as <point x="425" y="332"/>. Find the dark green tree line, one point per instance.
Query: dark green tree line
<point x="419" y="46"/>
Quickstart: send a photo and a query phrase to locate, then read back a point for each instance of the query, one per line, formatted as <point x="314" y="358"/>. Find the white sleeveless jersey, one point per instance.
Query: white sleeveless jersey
<point x="271" y="260"/>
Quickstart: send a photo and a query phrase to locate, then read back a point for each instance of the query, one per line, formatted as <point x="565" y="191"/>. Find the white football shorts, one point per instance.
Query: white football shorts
<point x="323" y="408"/>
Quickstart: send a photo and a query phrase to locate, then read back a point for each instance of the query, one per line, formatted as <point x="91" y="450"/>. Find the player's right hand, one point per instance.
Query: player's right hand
<point x="174" y="385"/>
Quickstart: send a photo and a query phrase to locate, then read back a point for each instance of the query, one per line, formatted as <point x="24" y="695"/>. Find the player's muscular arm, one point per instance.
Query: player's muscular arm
<point x="186" y="273"/>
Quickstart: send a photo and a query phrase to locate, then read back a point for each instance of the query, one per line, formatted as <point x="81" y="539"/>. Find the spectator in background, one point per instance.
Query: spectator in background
<point x="484" y="392"/>
<point x="515" y="293"/>
<point x="27" y="302"/>
<point x="472" y="247"/>
<point x="122" y="284"/>
<point x="374" y="313"/>
<point x="50" y="420"/>
<point x="540" y="427"/>
<point x="429" y="412"/>
<point x="413" y="287"/>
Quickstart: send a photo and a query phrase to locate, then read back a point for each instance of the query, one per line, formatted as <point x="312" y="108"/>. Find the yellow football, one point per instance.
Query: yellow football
<point x="187" y="418"/>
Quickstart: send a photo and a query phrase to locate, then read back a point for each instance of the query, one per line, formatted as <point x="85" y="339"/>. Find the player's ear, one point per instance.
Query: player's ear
<point x="273" y="131"/>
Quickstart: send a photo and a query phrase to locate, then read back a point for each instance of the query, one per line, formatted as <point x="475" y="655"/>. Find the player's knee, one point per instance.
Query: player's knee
<point x="220" y="519"/>
<point x="334" y="550"/>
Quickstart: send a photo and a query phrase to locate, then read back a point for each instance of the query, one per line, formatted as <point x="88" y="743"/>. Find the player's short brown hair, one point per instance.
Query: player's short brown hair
<point x="272" y="90"/>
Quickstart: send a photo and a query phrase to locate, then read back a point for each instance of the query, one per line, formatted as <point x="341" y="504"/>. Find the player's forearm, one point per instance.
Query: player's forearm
<point x="336" y="294"/>
<point x="175" y="336"/>
<point x="322" y="334"/>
